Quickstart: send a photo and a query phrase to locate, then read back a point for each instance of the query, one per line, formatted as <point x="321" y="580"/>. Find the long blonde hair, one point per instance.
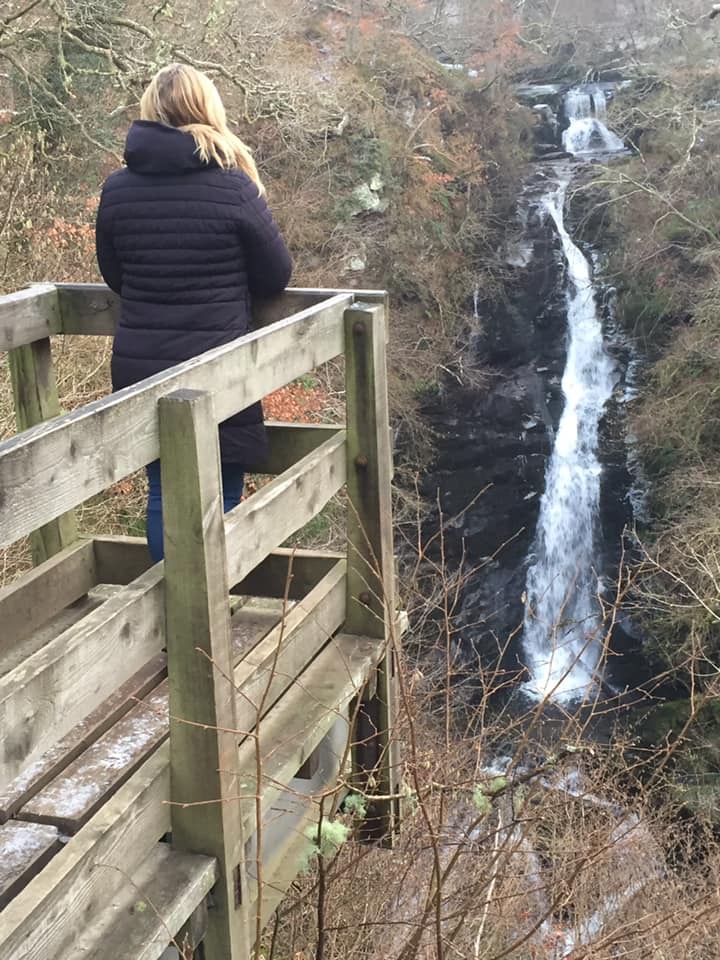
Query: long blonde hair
<point x="183" y="97"/>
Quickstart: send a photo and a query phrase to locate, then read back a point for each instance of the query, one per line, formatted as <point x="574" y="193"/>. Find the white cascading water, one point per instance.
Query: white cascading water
<point x="586" y="109"/>
<point x="562" y="614"/>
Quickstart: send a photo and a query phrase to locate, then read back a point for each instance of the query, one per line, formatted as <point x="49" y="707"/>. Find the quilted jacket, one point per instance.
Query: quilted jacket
<point x="186" y="245"/>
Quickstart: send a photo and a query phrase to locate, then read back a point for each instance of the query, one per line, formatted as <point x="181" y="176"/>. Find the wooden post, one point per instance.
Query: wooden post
<point x="370" y="580"/>
<point x="36" y="399"/>
<point x="203" y="747"/>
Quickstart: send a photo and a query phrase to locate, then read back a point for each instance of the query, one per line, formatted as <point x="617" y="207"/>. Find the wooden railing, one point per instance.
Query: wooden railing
<point x="81" y="664"/>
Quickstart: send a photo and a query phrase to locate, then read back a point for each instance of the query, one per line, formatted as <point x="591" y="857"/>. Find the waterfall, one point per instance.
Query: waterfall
<point x="562" y="614"/>
<point x="586" y="109"/>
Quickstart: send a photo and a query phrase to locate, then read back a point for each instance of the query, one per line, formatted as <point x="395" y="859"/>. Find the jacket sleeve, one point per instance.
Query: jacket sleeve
<point x="107" y="258"/>
<point x="269" y="264"/>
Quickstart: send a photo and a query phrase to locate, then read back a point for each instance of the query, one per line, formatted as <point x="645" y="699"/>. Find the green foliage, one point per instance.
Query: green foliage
<point x="495" y="786"/>
<point x="482" y="802"/>
<point x="356" y="805"/>
<point x="323" y="841"/>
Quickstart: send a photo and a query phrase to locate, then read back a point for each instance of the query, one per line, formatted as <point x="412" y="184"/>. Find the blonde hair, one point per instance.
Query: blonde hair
<point x="183" y="97"/>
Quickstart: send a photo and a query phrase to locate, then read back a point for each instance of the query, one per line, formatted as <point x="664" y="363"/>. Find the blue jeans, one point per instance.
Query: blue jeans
<point x="233" y="478"/>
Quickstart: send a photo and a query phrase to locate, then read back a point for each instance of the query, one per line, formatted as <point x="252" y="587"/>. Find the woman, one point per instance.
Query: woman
<point x="185" y="237"/>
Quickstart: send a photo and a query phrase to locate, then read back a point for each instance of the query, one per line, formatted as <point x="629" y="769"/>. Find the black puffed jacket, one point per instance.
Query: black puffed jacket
<point x="186" y="245"/>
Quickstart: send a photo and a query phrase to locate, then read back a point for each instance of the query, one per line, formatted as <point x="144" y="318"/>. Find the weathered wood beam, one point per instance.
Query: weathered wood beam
<point x="371" y="595"/>
<point x="46" y="695"/>
<point x="29" y="315"/>
<point x="205" y="817"/>
<point x="93" y="309"/>
<point x="266" y="671"/>
<point x="265" y="520"/>
<point x="52" y="468"/>
<point x="290" y="442"/>
<point x="38" y="774"/>
<point x="36" y="400"/>
<point x="25" y="848"/>
<point x="171" y="885"/>
<point x="41" y="593"/>
<point x="303" y="568"/>
<point x="98" y="861"/>
<point x="120" y="559"/>
<point x="320" y="695"/>
<point x="81" y="788"/>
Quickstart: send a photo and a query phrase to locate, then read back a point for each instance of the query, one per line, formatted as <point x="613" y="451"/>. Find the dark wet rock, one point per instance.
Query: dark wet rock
<point x="493" y="448"/>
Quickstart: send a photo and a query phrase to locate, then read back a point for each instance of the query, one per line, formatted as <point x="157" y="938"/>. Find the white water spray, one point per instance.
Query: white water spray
<point x="562" y="615"/>
<point x="586" y="109"/>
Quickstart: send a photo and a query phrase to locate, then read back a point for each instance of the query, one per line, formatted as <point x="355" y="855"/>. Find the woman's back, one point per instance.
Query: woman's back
<point x="186" y="244"/>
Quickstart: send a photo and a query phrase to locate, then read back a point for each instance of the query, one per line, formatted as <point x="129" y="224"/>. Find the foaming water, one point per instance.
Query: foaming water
<point x="562" y="613"/>
<point x="586" y="109"/>
<point x="561" y="632"/>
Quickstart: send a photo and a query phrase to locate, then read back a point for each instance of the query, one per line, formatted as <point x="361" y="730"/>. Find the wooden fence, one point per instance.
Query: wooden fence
<point x="162" y="757"/>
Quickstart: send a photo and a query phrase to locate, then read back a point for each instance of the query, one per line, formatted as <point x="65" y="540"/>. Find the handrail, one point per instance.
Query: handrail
<point x="92" y="309"/>
<point x="51" y="468"/>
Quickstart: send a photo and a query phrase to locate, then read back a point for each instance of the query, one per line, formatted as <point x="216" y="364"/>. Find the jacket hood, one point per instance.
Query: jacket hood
<point x="153" y="148"/>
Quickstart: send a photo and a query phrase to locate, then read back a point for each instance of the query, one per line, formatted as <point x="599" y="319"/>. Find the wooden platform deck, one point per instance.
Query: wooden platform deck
<point x="169" y="730"/>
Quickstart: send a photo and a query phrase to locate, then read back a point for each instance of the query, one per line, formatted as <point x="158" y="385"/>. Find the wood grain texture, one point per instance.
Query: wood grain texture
<point x="28" y="315"/>
<point x="200" y="661"/>
<point x="52" y="468"/>
<point x="45" y="696"/>
<point x="80" y="879"/>
<point x="290" y="442"/>
<point x="141" y="919"/>
<point x="371" y="566"/>
<point x="306" y="568"/>
<point x="120" y="559"/>
<point x="268" y="669"/>
<point x="36" y="400"/>
<point x="25" y="848"/>
<point x="319" y="697"/>
<point x="15" y="654"/>
<point x="92" y="308"/>
<point x="35" y="776"/>
<point x="262" y="522"/>
<point x="75" y="795"/>
<point x="27" y="603"/>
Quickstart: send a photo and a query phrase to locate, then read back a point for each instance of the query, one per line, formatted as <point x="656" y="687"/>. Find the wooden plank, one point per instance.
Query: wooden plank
<point x="248" y="627"/>
<point x="15" y="654"/>
<point x="120" y="559"/>
<point x="262" y="522"/>
<point x="84" y="875"/>
<point x="35" y="776"/>
<point x="200" y="663"/>
<point x="370" y="581"/>
<point x="92" y="308"/>
<point x="142" y="917"/>
<point x="319" y="696"/>
<point x="25" y="848"/>
<point x="268" y="669"/>
<point x="88" y="309"/>
<point x="305" y="568"/>
<point x="286" y="826"/>
<point x="28" y="315"/>
<point x="52" y="468"/>
<point x="34" y="598"/>
<point x="75" y="795"/>
<point x="36" y="400"/>
<point x="44" y="697"/>
<point x="290" y="442"/>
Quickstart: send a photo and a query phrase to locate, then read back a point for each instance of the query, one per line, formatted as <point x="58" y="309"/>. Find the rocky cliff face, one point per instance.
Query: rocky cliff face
<point x="498" y="439"/>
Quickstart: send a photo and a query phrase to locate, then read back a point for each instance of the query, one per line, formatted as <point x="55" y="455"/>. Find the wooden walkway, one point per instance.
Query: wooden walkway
<point x="165" y="752"/>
